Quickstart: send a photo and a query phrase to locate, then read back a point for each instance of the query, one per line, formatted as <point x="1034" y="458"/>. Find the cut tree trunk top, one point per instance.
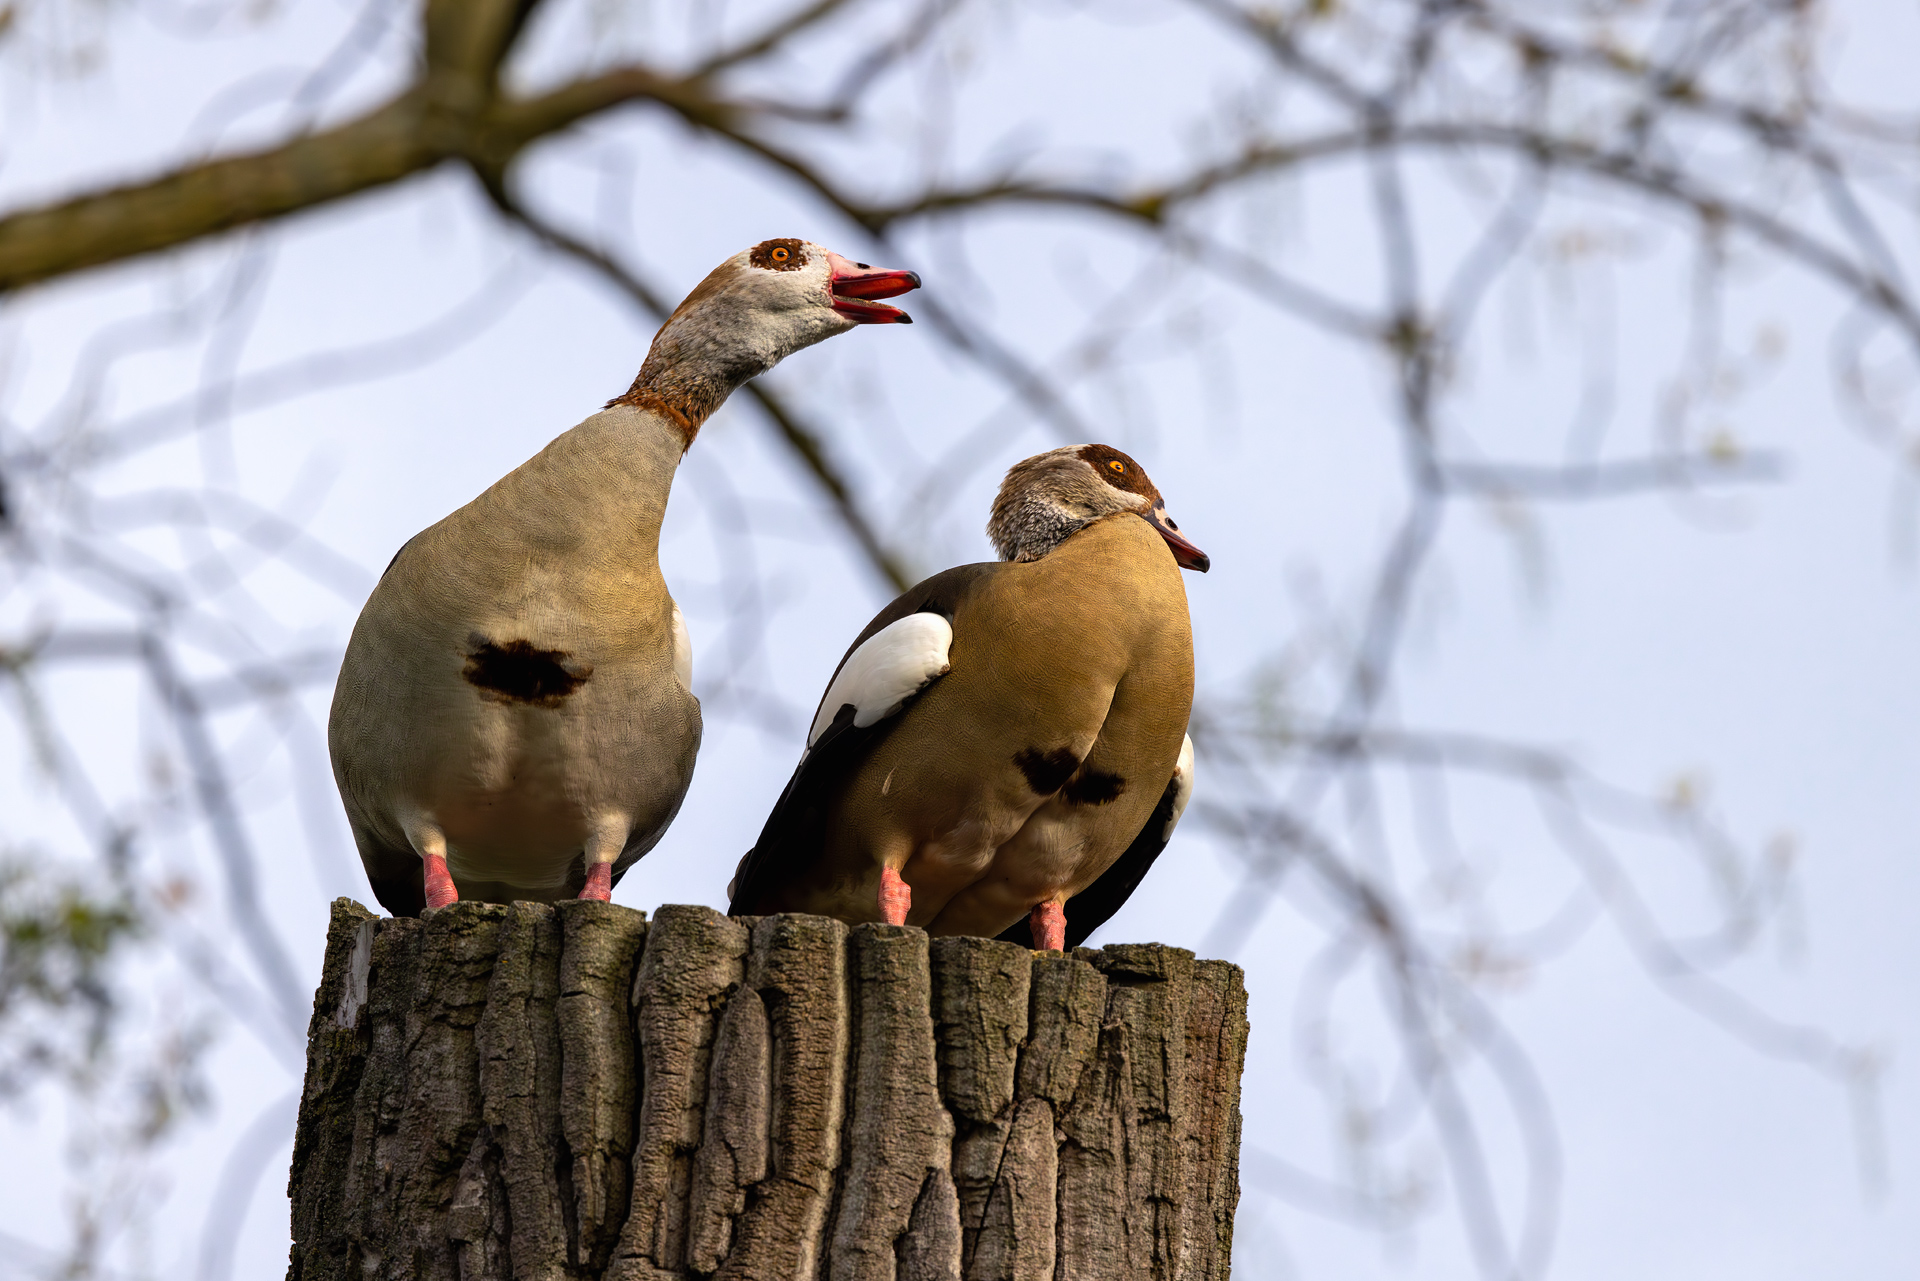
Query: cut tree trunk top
<point x="562" y="1092"/>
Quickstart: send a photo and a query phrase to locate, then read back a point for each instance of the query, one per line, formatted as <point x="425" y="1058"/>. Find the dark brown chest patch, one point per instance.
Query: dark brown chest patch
<point x="1096" y="787"/>
<point x="516" y="672"/>
<point x="1047" y="772"/>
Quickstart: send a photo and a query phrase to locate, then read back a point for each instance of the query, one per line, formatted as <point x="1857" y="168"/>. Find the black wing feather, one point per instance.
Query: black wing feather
<point x="396" y="875"/>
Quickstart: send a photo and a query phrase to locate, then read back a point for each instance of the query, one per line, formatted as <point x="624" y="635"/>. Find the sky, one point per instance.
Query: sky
<point x="1754" y="649"/>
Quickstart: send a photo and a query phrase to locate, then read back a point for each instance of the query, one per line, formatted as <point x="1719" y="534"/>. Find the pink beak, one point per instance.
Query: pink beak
<point x="1185" y="554"/>
<point x="856" y="288"/>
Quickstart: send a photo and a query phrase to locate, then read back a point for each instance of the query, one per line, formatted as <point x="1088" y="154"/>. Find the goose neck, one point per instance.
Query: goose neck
<point x="695" y="363"/>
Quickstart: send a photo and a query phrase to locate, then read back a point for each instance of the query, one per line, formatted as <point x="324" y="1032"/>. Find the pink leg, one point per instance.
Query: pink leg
<point x="896" y="896"/>
<point x="1048" y="924"/>
<point x="599" y="882"/>
<point x="440" y="890"/>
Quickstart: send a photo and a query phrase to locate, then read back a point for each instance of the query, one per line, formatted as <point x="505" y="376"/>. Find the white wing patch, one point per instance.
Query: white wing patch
<point x="682" y="650"/>
<point x="1182" y="787"/>
<point x="894" y="664"/>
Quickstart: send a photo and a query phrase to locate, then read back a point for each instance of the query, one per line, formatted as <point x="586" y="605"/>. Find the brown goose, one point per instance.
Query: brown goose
<point x="514" y="717"/>
<point x="1005" y="739"/>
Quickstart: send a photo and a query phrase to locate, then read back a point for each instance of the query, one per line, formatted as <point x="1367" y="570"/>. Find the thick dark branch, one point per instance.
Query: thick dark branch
<point x="427" y="124"/>
<point x="468" y="39"/>
<point x="515" y="124"/>
<point x="378" y="148"/>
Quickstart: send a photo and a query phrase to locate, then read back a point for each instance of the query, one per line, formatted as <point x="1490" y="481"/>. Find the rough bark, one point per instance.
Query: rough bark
<point x="569" y="1092"/>
<point x="693" y="961"/>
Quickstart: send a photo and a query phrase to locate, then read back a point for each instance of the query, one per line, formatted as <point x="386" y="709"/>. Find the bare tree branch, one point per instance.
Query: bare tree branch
<point x="449" y="114"/>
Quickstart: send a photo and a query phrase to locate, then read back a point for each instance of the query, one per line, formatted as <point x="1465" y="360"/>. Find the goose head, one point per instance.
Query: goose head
<point x="750" y="313"/>
<point x="1048" y="497"/>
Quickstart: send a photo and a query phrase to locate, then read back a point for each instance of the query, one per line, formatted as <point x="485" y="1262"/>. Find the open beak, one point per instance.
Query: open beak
<point x="857" y="289"/>
<point x="1185" y="554"/>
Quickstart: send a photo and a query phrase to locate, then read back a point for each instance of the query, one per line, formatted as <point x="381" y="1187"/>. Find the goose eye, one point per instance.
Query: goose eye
<point x="1119" y="468"/>
<point x="779" y="255"/>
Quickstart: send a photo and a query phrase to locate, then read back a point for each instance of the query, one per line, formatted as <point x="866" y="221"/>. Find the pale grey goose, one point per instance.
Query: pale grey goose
<point x="513" y="718"/>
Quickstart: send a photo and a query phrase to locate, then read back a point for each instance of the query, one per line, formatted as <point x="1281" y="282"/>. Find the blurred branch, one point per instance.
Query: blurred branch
<point x="1613" y="479"/>
<point x="287" y="380"/>
<point x="769" y="39"/>
<point x="214" y="792"/>
<point x="451" y="112"/>
<point x="1153" y="207"/>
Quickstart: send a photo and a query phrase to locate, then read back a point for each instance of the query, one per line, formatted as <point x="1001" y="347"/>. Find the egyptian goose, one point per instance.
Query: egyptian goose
<point x="1008" y="738"/>
<point x="514" y="717"/>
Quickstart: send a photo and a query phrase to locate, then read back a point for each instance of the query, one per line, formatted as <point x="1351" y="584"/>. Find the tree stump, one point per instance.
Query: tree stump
<point x="562" y="1092"/>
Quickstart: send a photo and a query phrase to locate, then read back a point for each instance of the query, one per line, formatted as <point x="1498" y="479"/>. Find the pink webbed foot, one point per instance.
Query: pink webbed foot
<point x="440" y="889"/>
<point x="896" y="896"/>
<point x="599" y="884"/>
<point x="1048" y="924"/>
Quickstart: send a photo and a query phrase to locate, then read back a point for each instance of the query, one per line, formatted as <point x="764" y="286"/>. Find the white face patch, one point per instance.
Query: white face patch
<point x="682" y="650"/>
<point x="893" y="665"/>
<point x="1182" y="786"/>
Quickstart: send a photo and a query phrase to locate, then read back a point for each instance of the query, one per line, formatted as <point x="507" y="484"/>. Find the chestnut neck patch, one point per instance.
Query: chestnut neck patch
<point x="686" y="375"/>
<point x="682" y="411"/>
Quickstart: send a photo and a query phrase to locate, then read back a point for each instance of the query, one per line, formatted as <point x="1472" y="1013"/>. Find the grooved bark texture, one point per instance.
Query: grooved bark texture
<point x="568" y="1092"/>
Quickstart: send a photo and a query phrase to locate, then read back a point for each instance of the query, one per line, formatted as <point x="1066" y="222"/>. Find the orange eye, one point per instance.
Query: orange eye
<point x="780" y="255"/>
<point x="1118" y="466"/>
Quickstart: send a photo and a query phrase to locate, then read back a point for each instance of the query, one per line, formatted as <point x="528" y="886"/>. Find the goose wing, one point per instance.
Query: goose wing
<point x="899" y="654"/>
